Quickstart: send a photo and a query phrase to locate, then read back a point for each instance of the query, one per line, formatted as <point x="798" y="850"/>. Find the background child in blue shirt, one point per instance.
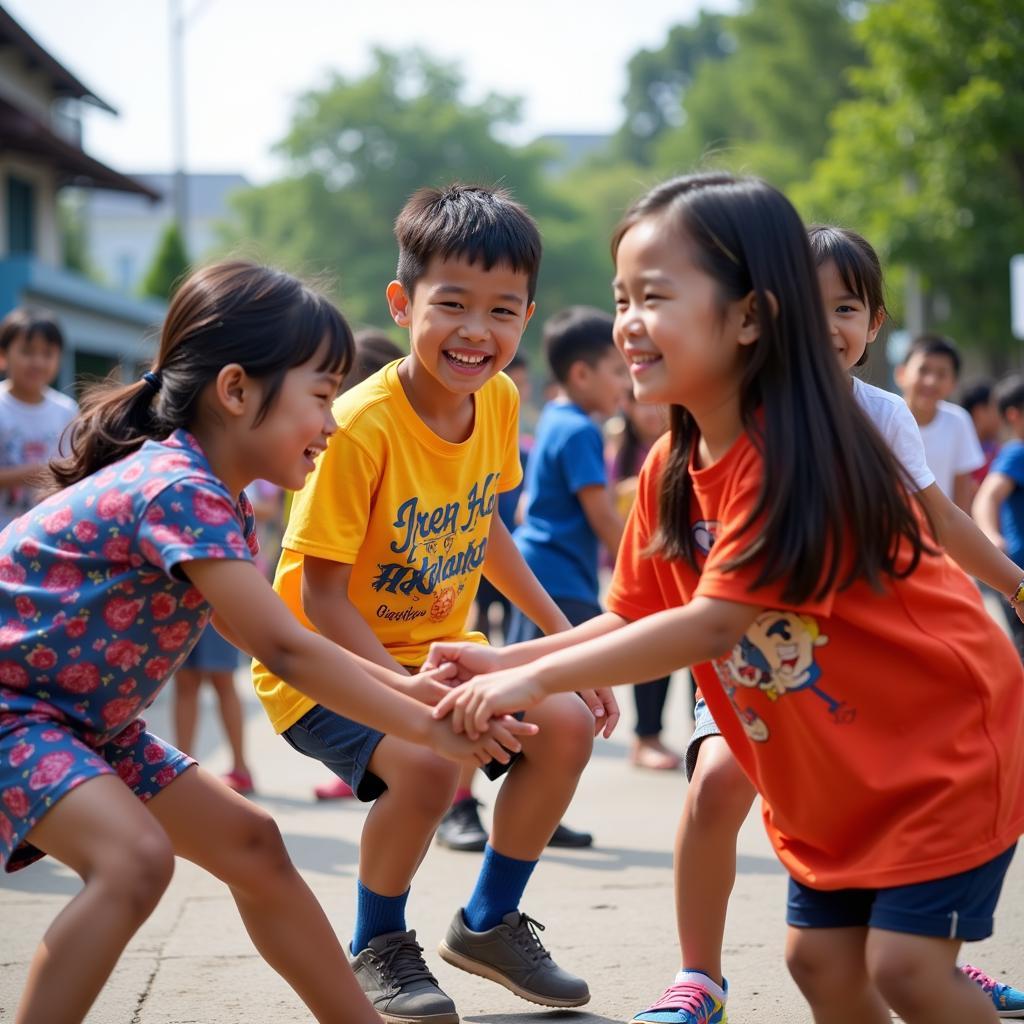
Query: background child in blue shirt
<point x="569" y="509"/>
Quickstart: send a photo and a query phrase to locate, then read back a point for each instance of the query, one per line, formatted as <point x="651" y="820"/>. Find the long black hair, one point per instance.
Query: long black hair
<point x="230" y="312"/>
<point x="833" y="504"/>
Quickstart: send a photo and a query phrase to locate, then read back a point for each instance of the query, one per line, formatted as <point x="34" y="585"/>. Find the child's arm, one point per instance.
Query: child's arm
<point x="702" y="630"/>
<point x="994" y="490"/>
<point x="598" y="505"/>
<point x="963" y="491"/>
<point x="506" y="568"/>
<point x="247" y="604"/>
<point x="326" y="602"/>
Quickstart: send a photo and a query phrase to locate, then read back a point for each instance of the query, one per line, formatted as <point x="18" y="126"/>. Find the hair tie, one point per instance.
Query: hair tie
<point x="154" y="380"/>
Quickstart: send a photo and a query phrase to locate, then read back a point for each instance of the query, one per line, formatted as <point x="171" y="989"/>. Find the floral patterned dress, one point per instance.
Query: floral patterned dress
<point x="95" y="616"/>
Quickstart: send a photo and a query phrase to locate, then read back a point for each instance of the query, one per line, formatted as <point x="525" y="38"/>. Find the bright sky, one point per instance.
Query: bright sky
<point x="247" y="60"/>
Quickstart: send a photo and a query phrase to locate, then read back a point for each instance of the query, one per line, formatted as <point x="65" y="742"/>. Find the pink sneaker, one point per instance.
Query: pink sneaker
<point x="339" y="789"/>
<point x="240" y="782"/>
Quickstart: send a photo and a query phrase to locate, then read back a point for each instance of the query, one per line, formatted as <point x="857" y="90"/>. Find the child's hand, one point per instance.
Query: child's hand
<point x="499" y="742"/>
<point x="468" y="659"/>
<point x="428" y="687"/>
<point x="604" y="707"/>
<point x="473" y="705"/>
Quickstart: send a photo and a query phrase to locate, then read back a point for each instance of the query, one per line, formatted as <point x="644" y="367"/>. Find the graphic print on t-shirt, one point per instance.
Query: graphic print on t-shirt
<point x="775" y="656"/>
<point x="436" y="547"/>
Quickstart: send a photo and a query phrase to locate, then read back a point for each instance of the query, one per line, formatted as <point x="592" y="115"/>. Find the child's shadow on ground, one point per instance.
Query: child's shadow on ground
<point x="541" y="1017"/>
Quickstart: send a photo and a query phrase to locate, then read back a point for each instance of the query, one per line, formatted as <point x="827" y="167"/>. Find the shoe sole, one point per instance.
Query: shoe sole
<point x="430" y="1018"/>
<point x="482" y="970"/>
<point x="714" y="1020"/>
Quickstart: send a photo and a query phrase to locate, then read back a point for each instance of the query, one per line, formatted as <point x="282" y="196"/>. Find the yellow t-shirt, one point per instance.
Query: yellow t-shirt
<point x="408" y="510"/>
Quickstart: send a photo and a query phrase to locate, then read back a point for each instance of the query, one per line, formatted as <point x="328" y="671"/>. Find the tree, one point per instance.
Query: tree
<point x="928" y="158"/>
<point x="357" y="149"/>
<point x="170" y="264"/>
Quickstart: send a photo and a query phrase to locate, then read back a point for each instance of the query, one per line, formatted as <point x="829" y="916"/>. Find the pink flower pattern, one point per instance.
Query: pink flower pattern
<point x="98" y="620"/>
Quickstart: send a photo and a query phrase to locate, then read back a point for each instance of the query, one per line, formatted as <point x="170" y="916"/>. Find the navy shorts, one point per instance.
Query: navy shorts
<point x="959" y="906"/>
<point x="346" y="747"/>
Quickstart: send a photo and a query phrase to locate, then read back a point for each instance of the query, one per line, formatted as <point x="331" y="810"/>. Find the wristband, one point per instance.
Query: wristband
<point x="1018" y="595"/>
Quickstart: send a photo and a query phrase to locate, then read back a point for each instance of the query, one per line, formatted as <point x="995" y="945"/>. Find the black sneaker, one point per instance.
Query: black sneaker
<point x="513" y="955"/>
<point x="570" y="838"/>
<point x="396" y="980"/>
<point x="460" y="828"/>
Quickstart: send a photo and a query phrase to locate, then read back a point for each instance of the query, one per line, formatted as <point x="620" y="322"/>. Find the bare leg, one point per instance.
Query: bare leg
<point x="828" y="966"/>
<point x="717" y="802"/>
<point x="542" y="782"/>
<point x="240" y="844"/>
<point x="102" y="832"/>
<point x="917" y="976"/>
<point x="232" y="717"/>
<point x="401" y="823"/>
<point x="186" y="707"/>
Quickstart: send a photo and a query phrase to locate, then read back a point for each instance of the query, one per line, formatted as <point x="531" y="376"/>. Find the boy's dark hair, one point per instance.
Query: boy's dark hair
<point x="935" y="345"/>
<point x="479" y="225"/>
<point x="576" y="334"/>
<point x="373" y="351"/>
<point x="833" y="504"/>
<point x="978" y="393"/>
<point x="24" y="322"/>
<point x="857" y="263"/>
<point x="1009" y="393"/>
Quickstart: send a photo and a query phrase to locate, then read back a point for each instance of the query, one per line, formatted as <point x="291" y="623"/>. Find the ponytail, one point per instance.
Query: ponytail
<point x="231" y="312"/>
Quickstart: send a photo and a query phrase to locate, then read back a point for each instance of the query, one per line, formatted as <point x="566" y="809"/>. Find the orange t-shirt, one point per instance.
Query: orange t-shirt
<point x="882" y="729"/>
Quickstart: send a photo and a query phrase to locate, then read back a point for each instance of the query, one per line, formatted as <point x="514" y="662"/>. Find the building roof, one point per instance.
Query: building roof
<point x="63" y="82"/>
<point x="22" y="132"/>
<point x="206" y="196"/>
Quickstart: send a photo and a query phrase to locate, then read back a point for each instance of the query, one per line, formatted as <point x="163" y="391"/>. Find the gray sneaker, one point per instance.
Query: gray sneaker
<point x="392" y="973"/>
<point x="512" y="955"/>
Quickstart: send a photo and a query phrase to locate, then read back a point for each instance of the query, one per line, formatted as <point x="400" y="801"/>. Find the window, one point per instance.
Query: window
<point x="21" y="216"/>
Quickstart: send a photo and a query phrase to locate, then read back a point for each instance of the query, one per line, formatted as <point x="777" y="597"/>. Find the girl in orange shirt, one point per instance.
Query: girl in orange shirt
<point x="775" y="547"/>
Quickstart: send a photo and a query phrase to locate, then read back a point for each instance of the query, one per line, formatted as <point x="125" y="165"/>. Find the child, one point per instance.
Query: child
<point x="980" y="404"/>
<point x="383" y="552"/>
<point x="774" y="547"/>
<point x="642" y="426"/>
<point x="32" y="415"/>
<point x="999" y="504"/>
<point x="927" y="377"/>
<point x="569" y="508"/>
<point x="105" y="587"/>
<point x="373" y="351"/>
<point x="215" y="659"/>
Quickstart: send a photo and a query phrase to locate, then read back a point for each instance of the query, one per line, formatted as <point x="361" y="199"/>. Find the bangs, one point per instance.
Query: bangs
<point x="322" y="330"/>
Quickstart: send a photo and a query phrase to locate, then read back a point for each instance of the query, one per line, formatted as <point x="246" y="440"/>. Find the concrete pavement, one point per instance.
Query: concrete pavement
<point x="608" y="911"/>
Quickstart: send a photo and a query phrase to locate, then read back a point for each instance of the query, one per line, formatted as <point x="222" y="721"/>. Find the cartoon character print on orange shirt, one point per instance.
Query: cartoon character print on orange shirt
<point x="427" y="539"/>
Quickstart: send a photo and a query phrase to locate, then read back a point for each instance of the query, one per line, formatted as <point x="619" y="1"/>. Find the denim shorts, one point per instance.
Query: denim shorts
<point x="959" y="906"/>
<point x="346" y="747"/>
<point x="704" y="725"/>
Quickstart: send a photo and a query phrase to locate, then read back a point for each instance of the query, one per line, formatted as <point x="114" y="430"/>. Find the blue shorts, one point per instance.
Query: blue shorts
<point x="346" y="747"/>
<point x="43" y="758"/>
<point x="959" y="906"/>
<point x="704" y="725"/>
<point x="212" y="653"/>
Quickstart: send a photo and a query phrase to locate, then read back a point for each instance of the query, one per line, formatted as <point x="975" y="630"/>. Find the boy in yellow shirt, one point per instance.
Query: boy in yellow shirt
<point x="383" y="555"/>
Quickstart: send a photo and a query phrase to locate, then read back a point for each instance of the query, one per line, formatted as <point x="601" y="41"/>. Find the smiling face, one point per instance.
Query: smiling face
<point x="283" y="447"/>
<point x="852" y="327"/>
<point x="464" y="322"/>
<point x="681" y="342"/>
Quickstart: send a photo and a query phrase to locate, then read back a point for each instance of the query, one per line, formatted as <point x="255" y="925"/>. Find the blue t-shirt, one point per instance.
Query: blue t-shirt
<point x="555" y="538"/>
<point x="95" y="613"/>
<point x="1010" y="462"/>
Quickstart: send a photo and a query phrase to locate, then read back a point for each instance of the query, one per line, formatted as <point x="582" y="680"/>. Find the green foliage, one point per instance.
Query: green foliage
<point x="170" y="264"/>
<point x="359" y="147"/>
<point x="928" y="158"/>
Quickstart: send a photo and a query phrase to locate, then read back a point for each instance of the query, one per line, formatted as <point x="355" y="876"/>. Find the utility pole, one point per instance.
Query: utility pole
<point x="177" y="63"/>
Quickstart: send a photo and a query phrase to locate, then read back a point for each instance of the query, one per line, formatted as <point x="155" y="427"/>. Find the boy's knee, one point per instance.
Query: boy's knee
<point x="567" y="734"/>
<point x="818" y="973"/>
<point x="428" y="782"/>
<point x="903" y="979"/>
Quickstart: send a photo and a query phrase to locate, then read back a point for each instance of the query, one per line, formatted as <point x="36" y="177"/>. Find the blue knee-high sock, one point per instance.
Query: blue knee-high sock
<point x="376" y="915"/>
<point x="499" y="888"/>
